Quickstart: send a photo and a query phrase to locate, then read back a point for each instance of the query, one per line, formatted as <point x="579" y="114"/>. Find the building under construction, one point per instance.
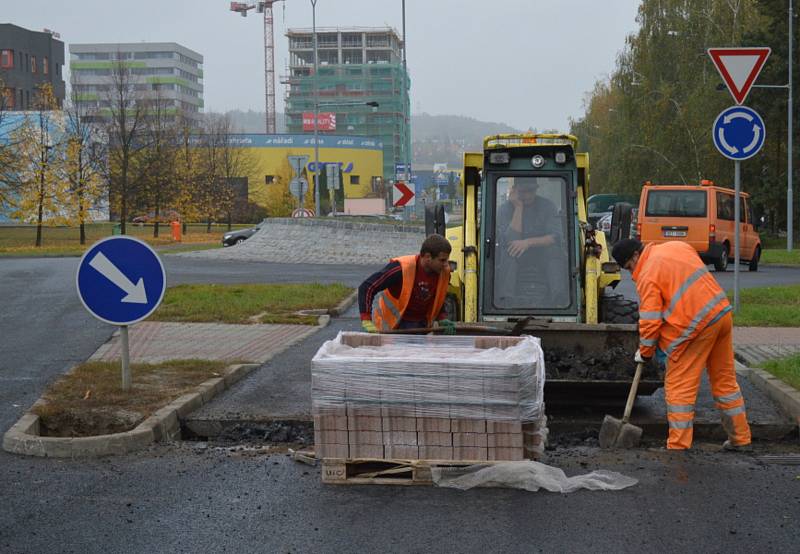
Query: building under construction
<point x="356" y="65"/>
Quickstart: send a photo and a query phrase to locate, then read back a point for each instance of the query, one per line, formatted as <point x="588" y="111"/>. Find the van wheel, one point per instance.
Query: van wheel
<point x="721" y="263"/>
<point x="615" y="308"/>
<point x="754" y="261"/>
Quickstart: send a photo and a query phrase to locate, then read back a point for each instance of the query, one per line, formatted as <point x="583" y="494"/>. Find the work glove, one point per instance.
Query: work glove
<point x="448" y="326"/>
<point x="639" y="359"/>
<point x="368" y="326"/>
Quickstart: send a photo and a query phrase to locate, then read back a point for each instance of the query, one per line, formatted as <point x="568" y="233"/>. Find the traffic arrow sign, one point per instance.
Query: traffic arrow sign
<point x="121" y="280"/>
<point x="739" y="68"/>
<point x="402" y="195"/>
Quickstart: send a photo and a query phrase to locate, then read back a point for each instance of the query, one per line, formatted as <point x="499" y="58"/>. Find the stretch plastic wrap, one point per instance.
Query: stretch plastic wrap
<point x="486" y="378"/>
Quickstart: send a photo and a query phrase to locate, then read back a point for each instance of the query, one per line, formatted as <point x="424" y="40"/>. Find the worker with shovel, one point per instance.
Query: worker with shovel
<point x="409" y="292"/>
<point x="684" y="313"/>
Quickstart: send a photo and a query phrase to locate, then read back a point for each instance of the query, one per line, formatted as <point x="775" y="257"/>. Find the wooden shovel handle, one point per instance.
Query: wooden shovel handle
<point x="632" y="394"/>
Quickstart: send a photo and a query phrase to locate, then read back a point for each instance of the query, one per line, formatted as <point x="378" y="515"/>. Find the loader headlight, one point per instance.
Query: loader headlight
<point x="561" y="157"/>
<point x="498" y="158"/>
<point x="537" y="161"/>
<point x="610" y="267"/>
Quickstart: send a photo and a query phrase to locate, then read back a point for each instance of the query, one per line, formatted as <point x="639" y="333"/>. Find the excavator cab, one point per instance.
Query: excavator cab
<point x="526" y="252"/>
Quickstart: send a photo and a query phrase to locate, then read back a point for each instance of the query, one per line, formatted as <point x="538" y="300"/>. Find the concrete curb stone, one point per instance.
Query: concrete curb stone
<point x="785" y="396"/>
<point x="163" y="425"/>
<point x="344" y="305"/>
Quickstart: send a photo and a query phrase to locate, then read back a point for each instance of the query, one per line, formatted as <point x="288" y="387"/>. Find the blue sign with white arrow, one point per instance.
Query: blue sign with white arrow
<point x="739" y="133"/>
<point x="121" y="280"/>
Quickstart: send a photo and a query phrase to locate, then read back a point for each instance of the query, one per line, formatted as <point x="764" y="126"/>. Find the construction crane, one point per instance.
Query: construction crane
<point x="264" y="7"/>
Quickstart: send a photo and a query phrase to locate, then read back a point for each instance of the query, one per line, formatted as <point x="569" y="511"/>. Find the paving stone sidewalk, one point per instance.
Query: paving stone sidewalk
<point x="755" y="345"/>
<point x="153" y="342"/>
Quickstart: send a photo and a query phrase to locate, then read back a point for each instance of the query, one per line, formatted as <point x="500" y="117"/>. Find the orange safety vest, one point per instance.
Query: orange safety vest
<point x="678" y="298"/>
<point x="387" y="311"/>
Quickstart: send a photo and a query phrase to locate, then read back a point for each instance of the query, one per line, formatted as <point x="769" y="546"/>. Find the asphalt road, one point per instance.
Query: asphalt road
<point x="176" y="498"/>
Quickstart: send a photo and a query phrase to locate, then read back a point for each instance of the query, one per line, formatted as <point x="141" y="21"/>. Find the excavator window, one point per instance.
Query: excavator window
<point x="531" y="256"/>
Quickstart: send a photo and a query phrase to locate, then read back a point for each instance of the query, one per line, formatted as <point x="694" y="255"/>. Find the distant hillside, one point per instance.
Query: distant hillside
<point x="436" y="138"/>
<point x="427" y="127"/>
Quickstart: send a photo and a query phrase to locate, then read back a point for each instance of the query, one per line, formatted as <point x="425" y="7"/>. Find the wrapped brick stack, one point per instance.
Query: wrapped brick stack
<point x="433" y="397"/>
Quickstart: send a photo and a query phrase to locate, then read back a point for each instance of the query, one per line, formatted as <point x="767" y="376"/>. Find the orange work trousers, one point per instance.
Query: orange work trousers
<point x="711" y="349"/>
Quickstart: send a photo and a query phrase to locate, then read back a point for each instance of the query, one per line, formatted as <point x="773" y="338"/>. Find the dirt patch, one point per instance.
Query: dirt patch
<point x="613" y="364"/>
<point x="89" y="400"/>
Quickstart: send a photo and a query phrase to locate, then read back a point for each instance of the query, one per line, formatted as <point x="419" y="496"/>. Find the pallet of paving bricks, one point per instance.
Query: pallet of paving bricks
<point x="403" y="400"/>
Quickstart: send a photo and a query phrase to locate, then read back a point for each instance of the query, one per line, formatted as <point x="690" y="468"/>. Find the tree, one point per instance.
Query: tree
<point x="84" y="162"/>
<point x="124" y="122"/>
<point x="279" y="201"/>
<point x="158" y="159"/>
<point x="8" y="159"/>
<point x="40" y="176"/>
<point x="235" y="163"/>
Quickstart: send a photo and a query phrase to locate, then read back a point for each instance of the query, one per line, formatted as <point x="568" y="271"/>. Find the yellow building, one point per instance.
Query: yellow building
<point x="360" y="160"/>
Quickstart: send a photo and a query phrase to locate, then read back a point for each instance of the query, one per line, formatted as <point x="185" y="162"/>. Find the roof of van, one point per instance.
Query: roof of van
<point x="693" y="187"/>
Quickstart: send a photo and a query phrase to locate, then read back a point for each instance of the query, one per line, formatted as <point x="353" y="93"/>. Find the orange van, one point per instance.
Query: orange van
<point x="703" y="216"/>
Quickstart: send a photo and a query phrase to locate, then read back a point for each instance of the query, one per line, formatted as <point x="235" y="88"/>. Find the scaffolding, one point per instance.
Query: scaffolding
<point x="356" y="66"/>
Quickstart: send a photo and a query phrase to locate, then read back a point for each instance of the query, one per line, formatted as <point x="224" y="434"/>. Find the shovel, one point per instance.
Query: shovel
<point x="616" y="433"/>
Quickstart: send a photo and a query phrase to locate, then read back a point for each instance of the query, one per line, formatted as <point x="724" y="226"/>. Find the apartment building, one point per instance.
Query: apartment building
<point x="27" y="60"/>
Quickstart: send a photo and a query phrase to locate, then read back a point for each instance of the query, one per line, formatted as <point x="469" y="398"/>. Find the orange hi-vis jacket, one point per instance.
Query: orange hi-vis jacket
<point x="678" y="298"/>
<point x="387" y="311"/>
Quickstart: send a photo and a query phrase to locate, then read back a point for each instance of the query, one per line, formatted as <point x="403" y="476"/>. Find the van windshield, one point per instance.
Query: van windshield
<point x="676" y="203"/>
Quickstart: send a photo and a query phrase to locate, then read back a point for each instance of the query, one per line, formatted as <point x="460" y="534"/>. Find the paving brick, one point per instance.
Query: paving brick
<point x="436" y="453"/>
<point x="403" y="452"/>
<point x="402" y="438"/>
<point x="326" y="436"/>
<point x="496" y="426"/>
<point x="364" y="437"/>
<point x="469" y="453"/>
<point x="364" y="423"/>
<point x="461" y="425"/>
<point x="469" y="440"/>
<point x="434" y="424"/>
<point x="399" y="424"/>
<point x="366" y="451"/>
<point x="434" y="438"/>
<point x="504" y="440"/>
<point x="508" y="454"/>
<point x="330" y="422"/>
<point x="331" y="450"/>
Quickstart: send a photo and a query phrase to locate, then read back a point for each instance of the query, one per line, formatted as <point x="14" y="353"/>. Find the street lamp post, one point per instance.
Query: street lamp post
<point x="316" y="108"/>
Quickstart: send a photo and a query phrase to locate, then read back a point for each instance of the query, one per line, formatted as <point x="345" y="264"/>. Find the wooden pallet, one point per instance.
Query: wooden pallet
<point x="367" y="471"/>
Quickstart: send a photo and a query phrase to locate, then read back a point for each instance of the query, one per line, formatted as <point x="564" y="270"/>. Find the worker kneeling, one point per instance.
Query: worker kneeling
<point x="409" y="292"/>
<point x="684" y="312"/>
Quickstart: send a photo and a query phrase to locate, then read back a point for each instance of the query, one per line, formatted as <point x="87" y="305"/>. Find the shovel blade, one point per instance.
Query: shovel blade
<point x="609" y="432"/>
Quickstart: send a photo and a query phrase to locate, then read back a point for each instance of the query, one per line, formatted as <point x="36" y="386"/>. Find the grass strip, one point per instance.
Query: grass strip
<point x="272" y="303"/>
<point x="65" y="241"/>
<point x="783" y="257"/>
<point x="89" y="400"/>
<point x="768" y="307"/>
<point x="786" y="369"/>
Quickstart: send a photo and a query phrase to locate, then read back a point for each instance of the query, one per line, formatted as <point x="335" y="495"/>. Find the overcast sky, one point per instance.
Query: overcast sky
<point x="527" y="63"/>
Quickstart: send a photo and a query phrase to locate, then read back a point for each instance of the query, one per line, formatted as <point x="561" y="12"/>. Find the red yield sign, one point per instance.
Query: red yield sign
<point x="402" y="195"/>
<point x="739" y="67"/>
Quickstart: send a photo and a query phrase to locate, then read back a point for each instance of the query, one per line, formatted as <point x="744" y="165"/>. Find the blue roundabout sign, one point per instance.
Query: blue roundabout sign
<point x="739" y="133"/>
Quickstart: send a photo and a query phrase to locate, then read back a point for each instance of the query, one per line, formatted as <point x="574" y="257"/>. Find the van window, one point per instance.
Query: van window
<point x="725" y="206"/>
<point x="676" y="203"/>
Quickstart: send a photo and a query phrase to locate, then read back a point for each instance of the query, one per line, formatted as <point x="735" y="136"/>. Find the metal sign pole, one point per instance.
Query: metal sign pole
<point x="738" y="217"/>
<point x="789" y="192"/>
<point x="126" y="358"/>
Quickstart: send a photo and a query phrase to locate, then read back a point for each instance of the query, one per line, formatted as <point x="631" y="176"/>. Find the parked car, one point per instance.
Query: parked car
<point x="236" y="237"/>
<point x="601" y="205"/>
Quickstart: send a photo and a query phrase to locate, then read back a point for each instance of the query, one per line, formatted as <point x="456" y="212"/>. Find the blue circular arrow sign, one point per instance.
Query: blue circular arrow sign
<point x="121" y="280"/>
<point x="739" y="133"/>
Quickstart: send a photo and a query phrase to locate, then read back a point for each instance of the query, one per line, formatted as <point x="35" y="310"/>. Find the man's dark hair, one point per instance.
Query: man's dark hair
<point x="624" y="250"/>
<point x="435" y="245"/>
